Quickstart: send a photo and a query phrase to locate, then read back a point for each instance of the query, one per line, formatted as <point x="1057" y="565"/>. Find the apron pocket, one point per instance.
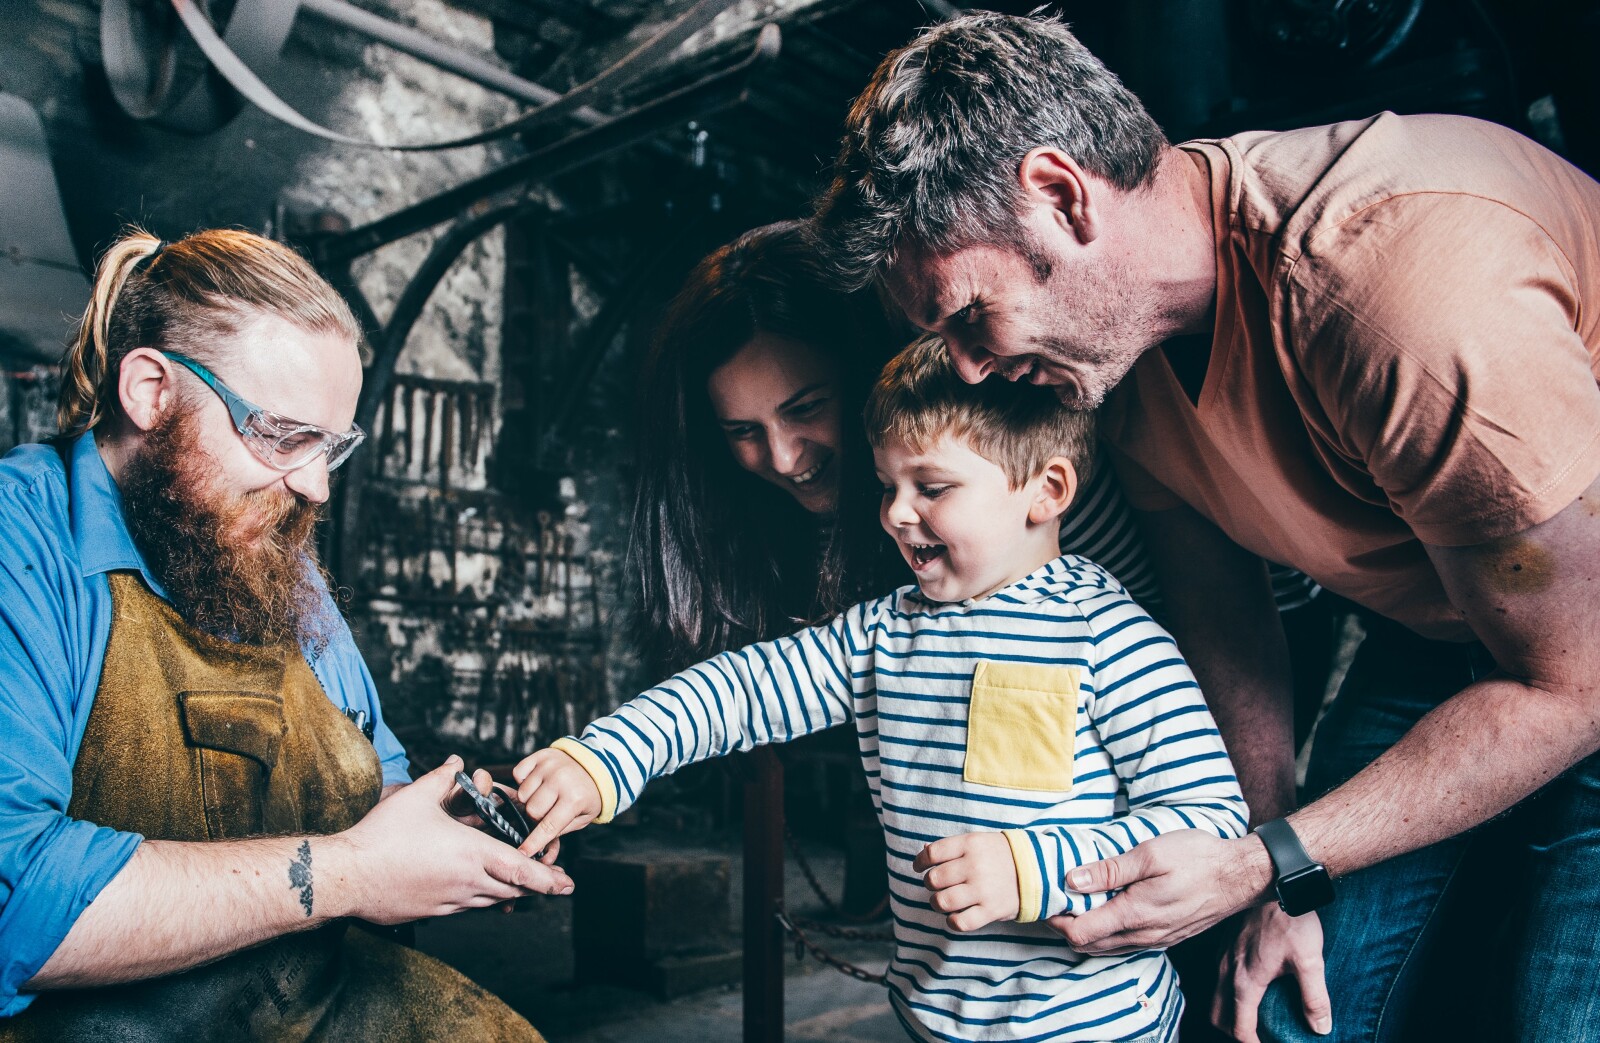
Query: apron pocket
<point x="1021" y="723"/>
<point x="238" y="735"/>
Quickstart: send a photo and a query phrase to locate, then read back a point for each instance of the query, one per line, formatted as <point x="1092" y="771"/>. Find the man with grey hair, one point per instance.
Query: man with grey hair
<point x="1368" y="351"/>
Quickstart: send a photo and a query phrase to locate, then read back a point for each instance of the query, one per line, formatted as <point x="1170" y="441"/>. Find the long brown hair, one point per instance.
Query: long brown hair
<point x="192" y="295"/>
<point x="724" y="558"/>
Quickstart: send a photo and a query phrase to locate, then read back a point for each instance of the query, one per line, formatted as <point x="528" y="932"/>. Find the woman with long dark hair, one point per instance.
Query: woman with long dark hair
<point x="756" y="506"/>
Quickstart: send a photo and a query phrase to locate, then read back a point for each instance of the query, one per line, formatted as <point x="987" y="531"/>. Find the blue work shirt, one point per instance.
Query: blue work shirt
<point x="59" y="539"/>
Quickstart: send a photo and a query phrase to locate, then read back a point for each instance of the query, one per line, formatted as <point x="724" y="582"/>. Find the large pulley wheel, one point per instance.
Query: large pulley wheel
<point x="159" y="76"/>
<point x="1348" y="33"/>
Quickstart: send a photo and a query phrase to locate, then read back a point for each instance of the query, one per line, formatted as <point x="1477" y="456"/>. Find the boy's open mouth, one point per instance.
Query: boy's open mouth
<point x="923" y="555"/>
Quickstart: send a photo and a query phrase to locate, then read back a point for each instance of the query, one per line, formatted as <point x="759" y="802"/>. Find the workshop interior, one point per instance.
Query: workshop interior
<point x="508" y="193"/>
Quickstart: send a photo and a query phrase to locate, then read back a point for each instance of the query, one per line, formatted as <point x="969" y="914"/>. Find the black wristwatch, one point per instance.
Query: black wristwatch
<point x="1302" y="885"/>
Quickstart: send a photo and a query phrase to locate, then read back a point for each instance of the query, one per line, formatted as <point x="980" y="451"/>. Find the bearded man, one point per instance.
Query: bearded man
<point x="191" y="815"/>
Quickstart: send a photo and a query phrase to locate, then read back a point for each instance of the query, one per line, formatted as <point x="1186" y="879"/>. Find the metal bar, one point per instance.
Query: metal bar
<point x="595" y="342"/>
<point x="763" y="898"/>
<point x="714" y="92"/>
<point x="452" y="59"/>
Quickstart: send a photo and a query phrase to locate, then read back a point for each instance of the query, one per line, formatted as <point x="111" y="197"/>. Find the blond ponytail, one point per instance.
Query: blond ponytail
<point x="191" y="295"/>
<point x="87" y="361"/>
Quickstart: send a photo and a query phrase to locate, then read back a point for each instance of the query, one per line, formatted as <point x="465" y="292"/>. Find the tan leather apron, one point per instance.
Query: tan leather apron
<point x="196" y="739"/>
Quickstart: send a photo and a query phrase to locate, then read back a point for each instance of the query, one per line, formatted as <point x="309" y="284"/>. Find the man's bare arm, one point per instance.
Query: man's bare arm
<point x="179" y="905"/>
<point x="1534" y="600"/>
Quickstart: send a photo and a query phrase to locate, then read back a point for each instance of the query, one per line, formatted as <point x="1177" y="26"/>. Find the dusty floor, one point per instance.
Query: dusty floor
<point x="526" y="958"/>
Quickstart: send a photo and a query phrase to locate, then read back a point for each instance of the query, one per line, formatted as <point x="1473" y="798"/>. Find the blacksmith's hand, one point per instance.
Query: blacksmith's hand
<point x="408" y="859"/>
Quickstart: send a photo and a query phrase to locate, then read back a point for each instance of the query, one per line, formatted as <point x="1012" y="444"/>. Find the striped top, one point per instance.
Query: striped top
<point x="1054" y="710"/>
<point x="1100" y="527"/>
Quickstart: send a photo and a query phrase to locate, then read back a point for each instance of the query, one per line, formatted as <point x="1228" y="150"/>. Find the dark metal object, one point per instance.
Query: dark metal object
<point x="763" y="898"/>
<point x="796" y="929"/>
<point x="139" y="46"/>
<point x="655" y="920"/>
<point x="496" y="812"/>
<point x="834" y="908"/>
<point x="451" y="59"/>
<point x="594" y="346"/>
<point x="714" y="92"/>
<point x="386" y="348"/>
<point x="364" y="724"/>
<point x="1361" y="32"/>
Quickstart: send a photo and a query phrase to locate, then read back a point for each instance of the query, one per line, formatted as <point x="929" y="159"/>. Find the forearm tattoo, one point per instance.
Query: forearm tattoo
<point x="300" y="875"/>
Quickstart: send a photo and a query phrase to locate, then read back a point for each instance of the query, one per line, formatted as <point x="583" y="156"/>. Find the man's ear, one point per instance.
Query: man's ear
<point x="1052" y="178"/>
<point x="1057" y="487"/>
<point x="146" y="387"/>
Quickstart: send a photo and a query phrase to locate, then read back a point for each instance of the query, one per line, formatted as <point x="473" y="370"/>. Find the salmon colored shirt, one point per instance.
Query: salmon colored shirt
<point x="1406" y="349"/>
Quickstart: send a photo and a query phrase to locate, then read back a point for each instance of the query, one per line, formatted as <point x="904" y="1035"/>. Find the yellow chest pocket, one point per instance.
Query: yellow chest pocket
<point x="1021" y="725"/>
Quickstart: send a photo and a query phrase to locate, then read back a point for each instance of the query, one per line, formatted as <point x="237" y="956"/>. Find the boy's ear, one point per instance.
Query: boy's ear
<point x="1057" y="487"/>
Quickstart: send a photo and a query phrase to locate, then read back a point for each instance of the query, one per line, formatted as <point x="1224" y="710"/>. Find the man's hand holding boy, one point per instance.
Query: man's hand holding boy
<point x="558" y="794"/>
<point x="973" y="879"/>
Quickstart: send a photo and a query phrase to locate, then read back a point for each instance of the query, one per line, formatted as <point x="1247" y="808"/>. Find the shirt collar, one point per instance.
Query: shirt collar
<point x="1044" y="582"/>
<point x="99" y="527"/>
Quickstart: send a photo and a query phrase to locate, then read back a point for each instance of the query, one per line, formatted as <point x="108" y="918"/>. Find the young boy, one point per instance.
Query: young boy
<point x="1018" y="715"/>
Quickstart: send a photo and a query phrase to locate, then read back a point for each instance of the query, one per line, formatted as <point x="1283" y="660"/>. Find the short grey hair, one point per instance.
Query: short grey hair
<point x="932" y="147"/>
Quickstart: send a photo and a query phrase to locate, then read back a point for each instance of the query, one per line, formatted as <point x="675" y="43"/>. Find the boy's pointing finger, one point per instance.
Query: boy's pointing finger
<point x="937" y="852"/>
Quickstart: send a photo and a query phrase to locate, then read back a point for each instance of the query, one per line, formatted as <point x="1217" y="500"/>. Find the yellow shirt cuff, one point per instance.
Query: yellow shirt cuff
<point x="590" y="762"/>
<point x="1030" y="886"/>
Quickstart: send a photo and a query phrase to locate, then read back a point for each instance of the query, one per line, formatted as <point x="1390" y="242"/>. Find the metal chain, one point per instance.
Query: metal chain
<point x="803" y="944"/>
<point x="827" y="899"/>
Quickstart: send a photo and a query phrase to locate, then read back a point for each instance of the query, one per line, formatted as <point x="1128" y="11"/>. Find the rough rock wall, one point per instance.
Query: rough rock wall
<point x="470" y="623"/>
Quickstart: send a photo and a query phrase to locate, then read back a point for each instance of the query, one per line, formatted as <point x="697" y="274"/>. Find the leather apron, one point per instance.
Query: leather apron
<point x="192" y="738"/>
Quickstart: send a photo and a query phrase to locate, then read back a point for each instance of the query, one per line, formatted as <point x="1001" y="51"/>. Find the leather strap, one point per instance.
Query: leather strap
<point x="247" y="83"/>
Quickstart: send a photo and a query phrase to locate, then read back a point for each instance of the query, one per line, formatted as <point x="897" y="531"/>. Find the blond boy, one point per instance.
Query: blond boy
<point x="1017" y="714"/>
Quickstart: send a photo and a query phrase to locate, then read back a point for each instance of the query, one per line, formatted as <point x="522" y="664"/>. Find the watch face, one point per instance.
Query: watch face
<point x="1304" y="890"/>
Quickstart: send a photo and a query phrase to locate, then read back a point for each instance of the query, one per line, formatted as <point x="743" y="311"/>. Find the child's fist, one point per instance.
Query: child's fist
<point x="558" y="794"/>
<point x="973" y="879"/>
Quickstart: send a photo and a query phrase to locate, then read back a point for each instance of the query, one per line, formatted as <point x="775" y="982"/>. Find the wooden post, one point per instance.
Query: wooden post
<point x="763" y="892"/>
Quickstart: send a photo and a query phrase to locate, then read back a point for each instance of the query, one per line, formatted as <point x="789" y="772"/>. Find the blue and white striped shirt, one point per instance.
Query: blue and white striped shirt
<point x="967" y="715"/>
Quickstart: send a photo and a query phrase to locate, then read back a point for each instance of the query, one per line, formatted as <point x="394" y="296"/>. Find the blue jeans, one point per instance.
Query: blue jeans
<point x="1485" y="936"/>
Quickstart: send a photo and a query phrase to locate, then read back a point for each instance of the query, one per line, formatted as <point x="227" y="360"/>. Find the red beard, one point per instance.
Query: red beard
<point x="239" y="566"/>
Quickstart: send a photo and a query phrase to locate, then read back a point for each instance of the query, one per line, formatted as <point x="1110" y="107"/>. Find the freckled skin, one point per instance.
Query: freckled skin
<point x="1519" y="566"/>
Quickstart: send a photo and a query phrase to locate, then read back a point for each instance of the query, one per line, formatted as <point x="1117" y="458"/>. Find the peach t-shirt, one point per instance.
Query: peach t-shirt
<point x="1406" y="348"/>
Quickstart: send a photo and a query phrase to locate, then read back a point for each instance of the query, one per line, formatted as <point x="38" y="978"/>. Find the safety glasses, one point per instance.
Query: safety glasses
<point x="280" y="442"/>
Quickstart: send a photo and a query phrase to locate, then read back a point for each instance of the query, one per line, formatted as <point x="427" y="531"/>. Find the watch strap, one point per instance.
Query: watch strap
<point x="1302" y="884"/>
<point x="1283" y="847"/>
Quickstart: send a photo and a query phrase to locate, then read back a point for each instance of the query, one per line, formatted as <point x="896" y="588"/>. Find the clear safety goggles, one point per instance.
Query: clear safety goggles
<point x="280" y="442"/>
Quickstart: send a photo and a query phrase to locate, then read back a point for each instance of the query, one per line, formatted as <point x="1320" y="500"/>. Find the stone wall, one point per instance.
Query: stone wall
<point x="482" y="614"/>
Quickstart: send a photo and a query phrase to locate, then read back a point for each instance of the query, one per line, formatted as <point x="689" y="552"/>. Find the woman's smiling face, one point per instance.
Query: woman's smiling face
<point x="776" y="401"/>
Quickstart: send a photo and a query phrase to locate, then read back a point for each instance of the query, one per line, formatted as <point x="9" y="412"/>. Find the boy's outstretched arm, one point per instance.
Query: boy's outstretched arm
<point x="773" y="691"/>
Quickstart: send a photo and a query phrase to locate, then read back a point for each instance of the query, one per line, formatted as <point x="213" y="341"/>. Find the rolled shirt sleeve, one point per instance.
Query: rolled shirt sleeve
<point x="51" y="866"/>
